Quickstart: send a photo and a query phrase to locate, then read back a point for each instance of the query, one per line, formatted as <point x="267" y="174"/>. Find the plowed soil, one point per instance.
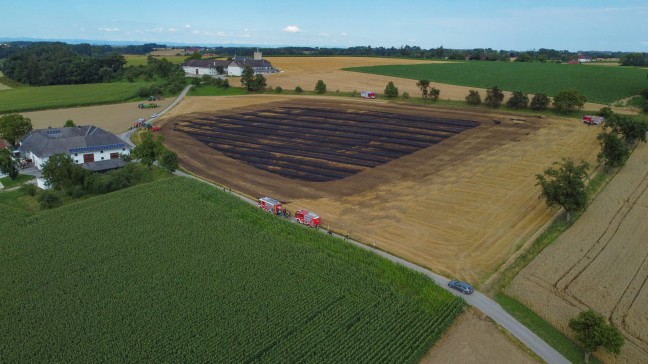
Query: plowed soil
<point x="601" y="262"/>
<point x="460" y="206"/>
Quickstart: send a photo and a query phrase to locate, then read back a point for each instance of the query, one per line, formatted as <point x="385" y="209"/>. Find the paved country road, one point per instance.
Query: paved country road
<point x="478" y="300"/>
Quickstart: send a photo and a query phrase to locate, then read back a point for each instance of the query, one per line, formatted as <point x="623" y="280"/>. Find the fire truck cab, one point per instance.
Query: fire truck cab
<point x="307" y="218"/>
<point x="271" y="205"/>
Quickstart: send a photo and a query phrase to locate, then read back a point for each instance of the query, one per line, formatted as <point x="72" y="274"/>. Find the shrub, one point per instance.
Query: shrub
<point x="406" y="95"/>
<point x="48" y="199"/>
<point x="278" y="89"/>
<point x="298" y="90"/>
<point x="434" y="94"/>
<point x="473" y="97"/>
<point x="605" y="112"/>
<point x="29" y="189"/>
<point x="391" y="90"/>
<point x="354" y="93"/>
<point x="540" y="102"/>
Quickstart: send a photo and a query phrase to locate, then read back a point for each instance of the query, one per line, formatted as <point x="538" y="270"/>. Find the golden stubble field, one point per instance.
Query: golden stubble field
<point x="601" y="262"/>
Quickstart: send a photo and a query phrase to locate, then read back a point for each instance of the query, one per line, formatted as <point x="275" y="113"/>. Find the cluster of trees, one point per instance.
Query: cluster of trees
<point x="565" y="102"/>
<point x="57" y="64"/>
<point x="634" y="59"/>
<point x="252" y="82"/>
<point x="620" y="133"/>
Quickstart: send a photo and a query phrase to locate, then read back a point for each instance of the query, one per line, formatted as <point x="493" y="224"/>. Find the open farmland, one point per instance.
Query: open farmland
<point x="599" y="84"/>
<point x="56" y="97"/>
<point x="183" y="272"/>
<point x="601" y="262"/>
<point x="460" y="206"/>
<point x="318" y="144"/>
<point x="139" y="60"/>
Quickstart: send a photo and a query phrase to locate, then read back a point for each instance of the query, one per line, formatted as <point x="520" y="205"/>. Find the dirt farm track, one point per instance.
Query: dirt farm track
<point x="459" y="205"/>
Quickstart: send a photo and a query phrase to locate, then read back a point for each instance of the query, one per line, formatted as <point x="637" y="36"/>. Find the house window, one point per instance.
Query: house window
<point x="76" y="154"/>
<point x="102" y="158"/>
<point x="114" y="155"/>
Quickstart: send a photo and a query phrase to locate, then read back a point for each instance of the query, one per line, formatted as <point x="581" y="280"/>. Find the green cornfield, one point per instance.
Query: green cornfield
<point x="599" y="84"/>
<point x="177" y="271"/>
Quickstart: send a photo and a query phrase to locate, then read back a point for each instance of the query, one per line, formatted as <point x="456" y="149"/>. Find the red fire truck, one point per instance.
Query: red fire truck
<point x="307" y="218"/>
<point x="271" y="205"/>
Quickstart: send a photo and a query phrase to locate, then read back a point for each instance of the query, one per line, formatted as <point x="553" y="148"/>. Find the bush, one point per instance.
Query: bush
<point x="473" y="97"/>
<point x="605" y="112"/>
<point x="518" y="100"/>
<point x="406" y="95"/>
<point x="540" y="102"/>
<point x="48" y="199"/>
<point x="278" y="90"/>
<point x="320" y="87"/>
<point x="298" y="90"/>
<point x="29" y="189"/>
<point x="434" y="94"/>
<point x="391" y="91"/>
<point x="354" y="93"/>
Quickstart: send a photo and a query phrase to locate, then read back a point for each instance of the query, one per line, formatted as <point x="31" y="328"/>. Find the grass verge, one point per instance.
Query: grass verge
<point x="543" y="329"/>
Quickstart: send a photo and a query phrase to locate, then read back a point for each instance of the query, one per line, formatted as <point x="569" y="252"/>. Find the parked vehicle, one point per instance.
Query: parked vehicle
<point x="368" y="94"/>
<point x="308" y="218"/>
<point x="460" y="286"/>
<point x="593" y="120"/>
<point x="271" y="205"/>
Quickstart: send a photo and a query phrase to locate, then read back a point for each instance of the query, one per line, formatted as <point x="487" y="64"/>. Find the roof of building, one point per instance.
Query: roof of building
<point x="104" y="165"/>
<point x="77" y="139"/>
<point x="207" y="63"/>
<point x="254" y="63"/>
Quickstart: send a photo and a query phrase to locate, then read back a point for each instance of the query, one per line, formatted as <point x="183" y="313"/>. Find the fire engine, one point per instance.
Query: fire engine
<point x="307" y="218"/>
<point x="271" y="205"/>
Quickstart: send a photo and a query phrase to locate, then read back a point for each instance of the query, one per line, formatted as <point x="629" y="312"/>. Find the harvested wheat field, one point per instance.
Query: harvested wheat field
<point x="473" y="338"/>
<point x="458" y="204"/>
<point x="115" y="118"/>
<point x="601" y="262"/>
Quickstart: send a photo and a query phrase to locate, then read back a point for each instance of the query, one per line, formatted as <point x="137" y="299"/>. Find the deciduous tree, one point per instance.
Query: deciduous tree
<point x="8" y="165"/>
<point x="564" y="186"/>
<point x="494" y="97"/>
<point x="434" y="94"/>
<point x="69" y="123"/>
<point x="540" y="102"/>
<point x="424" y="85"/>
<point x="632" y="128"/>
<point x="61" y="173"/>
<point x="592" y="330"/>
<point x="14" y="126"/>
<point x="614" y="152"/>
<point x="149" y="150"/>
<point x="568" y="100"/>
<point x="320" y="87"/>
<point x="473" y="97"/>
<point x="252" y="82"/>
<point x="518" y="100"/>
<point x="391" y="91"/>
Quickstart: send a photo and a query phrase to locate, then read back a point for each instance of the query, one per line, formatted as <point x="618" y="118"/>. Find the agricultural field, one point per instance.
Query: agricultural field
<point x="460" y="206"/>
<point x="140" y="60"/>
<point x="601" y="262"/>
<point x="211" y="279"/>
<point x="318" y="144"/>
<point x="603" y="85"/>
<point x="57" y="97"/>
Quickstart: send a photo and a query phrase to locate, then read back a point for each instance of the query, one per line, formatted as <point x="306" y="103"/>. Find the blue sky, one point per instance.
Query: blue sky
<point x="512" y="25"/>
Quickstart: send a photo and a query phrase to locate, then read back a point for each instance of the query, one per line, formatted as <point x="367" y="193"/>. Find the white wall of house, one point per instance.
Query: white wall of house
<point x="40" y="182"/>
<point x="99" y="155"/>
<point x="199" y="71"/>
<point x="234" y="70"/>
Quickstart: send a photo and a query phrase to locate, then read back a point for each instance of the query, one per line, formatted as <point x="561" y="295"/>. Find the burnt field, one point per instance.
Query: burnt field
<point x="315" y="143"/>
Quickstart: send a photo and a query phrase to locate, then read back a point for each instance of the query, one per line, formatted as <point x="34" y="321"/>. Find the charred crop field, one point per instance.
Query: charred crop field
<point x="318" y="143"/>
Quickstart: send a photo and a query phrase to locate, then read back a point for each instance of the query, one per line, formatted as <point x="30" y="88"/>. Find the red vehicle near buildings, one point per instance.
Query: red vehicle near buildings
<point x="308" y="218"/>
<point x="271" y="205"/>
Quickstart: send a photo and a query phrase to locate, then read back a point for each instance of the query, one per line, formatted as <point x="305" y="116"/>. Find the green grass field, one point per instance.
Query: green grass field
<point x="599" y="84"/>
<point x="177" y="271"/>
<point x="137" y="60"/>
<point x="216" y="91"/>
<point x="53" y="97"/>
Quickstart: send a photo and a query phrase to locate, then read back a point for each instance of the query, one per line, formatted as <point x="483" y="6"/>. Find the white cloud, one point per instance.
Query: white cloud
<point x="172" y="30"/>
<point x="344" y="34"/>
<point x="292" y="29"/>
<point x="223" y="34"/>
<point x="155" y="30"/>
<point x="187" y="26"/>
<point x="645" y="42"/>
<point x="325" y="34"/>
<point x="109" y="29"/>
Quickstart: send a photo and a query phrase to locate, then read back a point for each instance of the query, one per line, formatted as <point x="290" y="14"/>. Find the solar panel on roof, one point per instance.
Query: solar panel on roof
<point x="96" y="147"/>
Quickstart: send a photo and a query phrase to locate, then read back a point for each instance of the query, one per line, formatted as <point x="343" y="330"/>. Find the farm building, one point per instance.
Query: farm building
<point x="232" y="67"/>
<point x="584" y="59"/>
<point x="84" y="144"/>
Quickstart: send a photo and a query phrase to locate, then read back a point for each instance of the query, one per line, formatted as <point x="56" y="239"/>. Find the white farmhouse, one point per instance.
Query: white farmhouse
<point x="234" y="67"/>
<point x="94" y="148"/>
<point x="201" y="67"/>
